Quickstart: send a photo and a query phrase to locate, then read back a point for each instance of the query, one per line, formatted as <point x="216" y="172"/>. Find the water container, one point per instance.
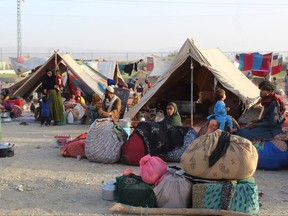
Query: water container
<point x="127" y="130"/>
<point x="70" y="118"/>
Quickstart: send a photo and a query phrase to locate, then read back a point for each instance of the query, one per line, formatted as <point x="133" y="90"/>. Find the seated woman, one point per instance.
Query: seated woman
<point x="273" y="116"/>
<point x="173" y="117"/>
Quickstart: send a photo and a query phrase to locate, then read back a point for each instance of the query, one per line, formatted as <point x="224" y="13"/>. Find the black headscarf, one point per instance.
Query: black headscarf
<point x="48" y="82"/>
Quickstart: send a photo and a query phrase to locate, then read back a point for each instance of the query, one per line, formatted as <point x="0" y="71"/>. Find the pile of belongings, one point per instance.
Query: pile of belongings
<point x="216" y="172"/>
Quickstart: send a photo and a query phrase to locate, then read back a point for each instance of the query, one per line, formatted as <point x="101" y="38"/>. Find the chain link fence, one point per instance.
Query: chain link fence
<point x="123" y="57"/>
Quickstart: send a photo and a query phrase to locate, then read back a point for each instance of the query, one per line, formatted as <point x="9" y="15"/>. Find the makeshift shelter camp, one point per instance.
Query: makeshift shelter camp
<point x="77" y="75"/>
<point x="204" y="68"/>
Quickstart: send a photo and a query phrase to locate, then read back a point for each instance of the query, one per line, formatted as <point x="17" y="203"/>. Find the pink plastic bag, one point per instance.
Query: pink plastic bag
<point x="151" y="168"/>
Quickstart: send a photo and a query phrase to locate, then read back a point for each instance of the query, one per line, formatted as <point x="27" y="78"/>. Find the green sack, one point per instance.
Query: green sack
<point x="131" y="190"/>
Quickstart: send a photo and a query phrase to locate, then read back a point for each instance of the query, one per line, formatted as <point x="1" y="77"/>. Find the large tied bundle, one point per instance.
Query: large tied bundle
<point x="104" y="141"/>
<point x="239" y="161"/>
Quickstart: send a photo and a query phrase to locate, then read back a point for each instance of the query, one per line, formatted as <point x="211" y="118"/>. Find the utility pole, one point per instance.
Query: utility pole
<point x="19" y="35"/>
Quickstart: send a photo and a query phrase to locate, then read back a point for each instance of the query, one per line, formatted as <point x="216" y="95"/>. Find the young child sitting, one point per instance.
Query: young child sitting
<point x="220" y="111"/>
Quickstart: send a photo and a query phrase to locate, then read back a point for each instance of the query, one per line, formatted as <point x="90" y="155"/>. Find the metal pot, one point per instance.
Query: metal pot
<point x="108" y="192"/>
<point x="6" y="150"/>
<point x="7" y="119"/>
<point x="5" y="114"/>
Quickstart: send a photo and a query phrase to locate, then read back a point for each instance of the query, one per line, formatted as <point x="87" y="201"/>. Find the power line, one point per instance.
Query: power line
<point x="181" y="3"/>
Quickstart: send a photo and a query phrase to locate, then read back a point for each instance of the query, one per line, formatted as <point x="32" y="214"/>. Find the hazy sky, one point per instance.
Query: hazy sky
<point x="146" y="25"/>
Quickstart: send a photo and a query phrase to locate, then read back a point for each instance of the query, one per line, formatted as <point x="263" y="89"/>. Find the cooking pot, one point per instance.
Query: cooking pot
<point x="7" y="119"/>
<point x="5" y="114"/>
<point x="6" y="150"/>
<point x="108" y="190"/>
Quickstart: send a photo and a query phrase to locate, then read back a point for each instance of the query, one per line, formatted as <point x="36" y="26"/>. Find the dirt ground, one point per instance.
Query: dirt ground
<point x="39" y="181"/>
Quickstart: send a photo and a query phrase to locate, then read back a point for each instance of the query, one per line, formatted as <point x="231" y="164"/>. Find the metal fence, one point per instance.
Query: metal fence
<point x="123" y="57"/>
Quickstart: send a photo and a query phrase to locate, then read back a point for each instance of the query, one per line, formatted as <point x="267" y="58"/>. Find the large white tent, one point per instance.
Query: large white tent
<point x="202" y="67"/>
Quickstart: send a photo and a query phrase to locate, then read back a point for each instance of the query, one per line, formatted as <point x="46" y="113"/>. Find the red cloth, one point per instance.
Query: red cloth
<point x="133" y="150"/>
<point x="75" y="147"/>
<point x="59" y="81"/>
<point x="280" y="104"/>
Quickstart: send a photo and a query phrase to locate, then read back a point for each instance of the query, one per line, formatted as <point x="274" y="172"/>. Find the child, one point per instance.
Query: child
<point x="136" y="99"/>
<point x="79" y="98"/>
<point x="59" y="81"/>
<point x="220" y="111"/>
<point x="72" y="98"/>
<point x="45" y="110"/>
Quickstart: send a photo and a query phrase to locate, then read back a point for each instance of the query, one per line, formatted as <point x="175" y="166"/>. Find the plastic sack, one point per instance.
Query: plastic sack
<point x="174" y="191"/>
<point x="152" y="168"/>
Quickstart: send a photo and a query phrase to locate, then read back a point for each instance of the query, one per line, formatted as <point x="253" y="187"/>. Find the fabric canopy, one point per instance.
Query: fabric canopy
<point x="209" y="65"/>
<point x="109" y="69"/>
<point x="85" y="79"/>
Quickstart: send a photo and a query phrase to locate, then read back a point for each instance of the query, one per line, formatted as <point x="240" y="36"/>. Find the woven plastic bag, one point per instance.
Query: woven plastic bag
<point x="174" y="191"/>
<point x="102" y="143"/>
<point x="152" y="168"/>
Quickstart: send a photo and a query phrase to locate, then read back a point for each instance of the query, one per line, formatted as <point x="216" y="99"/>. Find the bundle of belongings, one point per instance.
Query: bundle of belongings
<point x="273" y="153"/>
<point x="109" y="142"/>
<point x="157" y="139"/>
<point x="216" y="172"/>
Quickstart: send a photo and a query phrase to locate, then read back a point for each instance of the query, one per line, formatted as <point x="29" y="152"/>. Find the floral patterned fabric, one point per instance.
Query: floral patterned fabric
<point x="239" y="161"/>
<point x="160" y="137"/>
<point x="175" y="154"/>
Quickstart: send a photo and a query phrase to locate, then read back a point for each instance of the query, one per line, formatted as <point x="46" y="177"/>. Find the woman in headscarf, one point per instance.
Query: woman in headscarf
<point x="48" y="88"/>
<point x="173" y="117"/>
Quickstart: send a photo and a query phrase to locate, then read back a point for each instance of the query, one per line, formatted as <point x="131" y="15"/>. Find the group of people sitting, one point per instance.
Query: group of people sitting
<point x="266" y="127"/>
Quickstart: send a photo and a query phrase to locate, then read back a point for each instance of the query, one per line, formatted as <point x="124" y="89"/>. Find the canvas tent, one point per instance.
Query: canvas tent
<point x="87" y="83"/>
<point x="109" y="69"/>
<point x="202" y="67"/>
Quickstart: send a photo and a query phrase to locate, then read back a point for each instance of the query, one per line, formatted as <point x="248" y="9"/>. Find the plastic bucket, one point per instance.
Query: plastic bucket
<point x="127" y="130"/>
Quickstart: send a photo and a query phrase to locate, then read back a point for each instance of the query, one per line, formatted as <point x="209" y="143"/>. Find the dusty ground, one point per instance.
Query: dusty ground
<point x="54" y="185"/>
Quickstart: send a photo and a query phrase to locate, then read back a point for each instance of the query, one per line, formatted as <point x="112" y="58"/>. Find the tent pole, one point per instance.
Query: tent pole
<point x="192" y="103"/>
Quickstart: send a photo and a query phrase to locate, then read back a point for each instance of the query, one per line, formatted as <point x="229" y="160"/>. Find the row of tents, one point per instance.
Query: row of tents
<point x="194" y="67"/>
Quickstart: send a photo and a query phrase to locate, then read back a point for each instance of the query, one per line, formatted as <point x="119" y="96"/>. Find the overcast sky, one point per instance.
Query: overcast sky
<point x="147" y="25"/>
